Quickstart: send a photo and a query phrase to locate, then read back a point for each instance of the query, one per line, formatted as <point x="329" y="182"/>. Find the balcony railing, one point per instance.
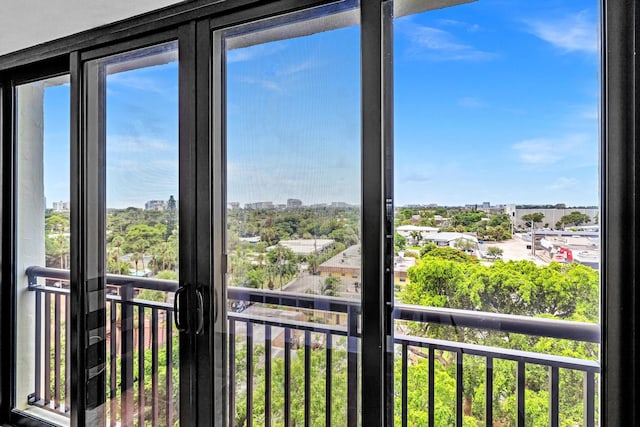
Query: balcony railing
<point x="141" y="342"/>
<point x="282" y="347"/>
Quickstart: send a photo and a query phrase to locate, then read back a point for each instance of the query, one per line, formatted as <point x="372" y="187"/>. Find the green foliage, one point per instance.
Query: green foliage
<point x="494" y="251"/>
<point x="467" y="218"/>
<point x="400" y="243"/>
<point x="574" y="218"/>
<point x="167" y="275"/>
<point x="151" y="295"/>
<point x="57" y="243"/>
<point x="142" y="234"/>
<point x="516" y="287"/>
<point x="446" y="252"/>
<point x="331" y="286"/>
<point x="318" y="385"/>
<point x="340" y="224"/>
<point x="533" y="218"/>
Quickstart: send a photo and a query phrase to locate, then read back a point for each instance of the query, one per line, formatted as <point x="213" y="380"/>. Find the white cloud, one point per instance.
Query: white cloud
<point x="138" y="144"/>
<point x="264" y="83"/>
<point x="256" y="51"/>
<point x="563" y="183"/>
<point x="298" y="68"/>
<point x="573" y="33"/>
<point x="547" y="151"/>
<point x="439" y="45"/>
<point x="147" y="84"/>
<point x="472" y="28"/>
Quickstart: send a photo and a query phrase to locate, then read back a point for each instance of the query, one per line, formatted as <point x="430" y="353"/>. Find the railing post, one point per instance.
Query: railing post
<point x="38" y="349"/>
<point x="589" y="398"/>
<point x="520" y="392"/>
<point x="554" y="396"/>
<point x="352" y="366"/>
<point x="126" y="369"/>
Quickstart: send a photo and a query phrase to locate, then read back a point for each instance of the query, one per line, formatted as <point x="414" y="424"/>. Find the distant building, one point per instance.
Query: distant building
<point x="400" y="266"/>
<point x="450" y="239"/>
<point x="415" y="233"/>
<point x="155" y="205"/>
<point x="486" y="205"/>
<point x="294" y="203"/>
<point x="259" y="205"/>
<point x="553" y="215"/>
<point x="306" y="247"/>
<point x="347" y="266"/>
<point x="234" y="205"/>
<point x="61" y="206"/>
<point x="253" y="240"/>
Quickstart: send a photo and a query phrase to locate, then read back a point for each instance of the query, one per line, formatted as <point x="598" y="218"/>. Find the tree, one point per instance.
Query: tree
<point x="515" y="287"/>
<point x="140" y="238"/>
<point x="400" y="242"/>
<point x="416" y="235"/>
<point x="494" y="251"/>
<point x="117" y="242"/>
<point x="331" y="286"/>
<point x="574" y="218"/>
<point x="283" y="262"/>
<point x="465" y="244"/>
<point x="313" y="262"/>
<point x="533" y="218"/>
<point x="254" y="278"/>
<point x="172" y="216"/>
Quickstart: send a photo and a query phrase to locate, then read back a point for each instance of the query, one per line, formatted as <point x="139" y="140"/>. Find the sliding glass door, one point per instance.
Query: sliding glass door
<point x="288" y="139"/>
<point x="131" y="246"/>
<point x="224" y="257"/>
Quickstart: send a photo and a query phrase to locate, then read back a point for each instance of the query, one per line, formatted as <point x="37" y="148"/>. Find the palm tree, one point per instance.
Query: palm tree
<point x="135" y="257"/>
<point x="416" y="235"/>
<point x="117" y="242"/>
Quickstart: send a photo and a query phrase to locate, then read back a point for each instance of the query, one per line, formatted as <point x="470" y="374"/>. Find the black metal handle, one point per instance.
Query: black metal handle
<point x="176" y="309"/>
<point x="199" y="312"/>
<point x="215" y="306"/>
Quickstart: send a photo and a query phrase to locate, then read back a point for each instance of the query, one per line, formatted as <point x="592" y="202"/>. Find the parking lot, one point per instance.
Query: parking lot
<point x="514" y="249"/>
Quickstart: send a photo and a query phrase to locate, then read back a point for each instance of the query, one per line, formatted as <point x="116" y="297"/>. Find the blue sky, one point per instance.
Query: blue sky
<point x="142" y="135"/>
<point x="494" y="101"/>
<point x="498" y="101"/>
<point x="56" y="144"/>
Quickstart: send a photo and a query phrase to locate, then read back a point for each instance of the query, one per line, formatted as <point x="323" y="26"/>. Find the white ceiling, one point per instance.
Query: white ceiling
<point x="25" y="23"/>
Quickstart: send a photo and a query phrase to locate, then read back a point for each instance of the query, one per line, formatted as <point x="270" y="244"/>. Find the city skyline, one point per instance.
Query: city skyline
<point x="494" y="100"/>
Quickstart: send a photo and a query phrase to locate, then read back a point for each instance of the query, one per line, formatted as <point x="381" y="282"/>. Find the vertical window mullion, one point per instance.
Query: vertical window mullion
<point x="78" y="388"/>
<point x="373" y="192"/>
<point x="88" y="247"/>
<point x="6" y="293"/>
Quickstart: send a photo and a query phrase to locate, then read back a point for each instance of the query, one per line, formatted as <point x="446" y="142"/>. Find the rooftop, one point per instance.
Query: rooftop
<point x="349" y="258"/>
<point x="306" y="246"/>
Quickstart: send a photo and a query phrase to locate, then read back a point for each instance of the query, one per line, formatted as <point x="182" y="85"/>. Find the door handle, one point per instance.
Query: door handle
<point x="177" y="305"/>
<point x="189" y="315"/>
<point x="199" y="312"/>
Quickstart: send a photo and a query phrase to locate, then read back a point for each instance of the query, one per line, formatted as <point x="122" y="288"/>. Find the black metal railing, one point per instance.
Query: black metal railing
<point x="273" y="346"/>
<point x="140" y="338"/>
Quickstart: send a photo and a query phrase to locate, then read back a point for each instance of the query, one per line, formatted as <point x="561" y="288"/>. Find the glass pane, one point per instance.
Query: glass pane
<point x="293" y="217"/>
<point x="140" y="101"/>
<point x="42" y="252"/>
<point x="497" y="208"/>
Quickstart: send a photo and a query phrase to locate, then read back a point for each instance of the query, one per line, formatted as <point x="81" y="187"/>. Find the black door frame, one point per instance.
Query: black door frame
<point x="620" y="383"/>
